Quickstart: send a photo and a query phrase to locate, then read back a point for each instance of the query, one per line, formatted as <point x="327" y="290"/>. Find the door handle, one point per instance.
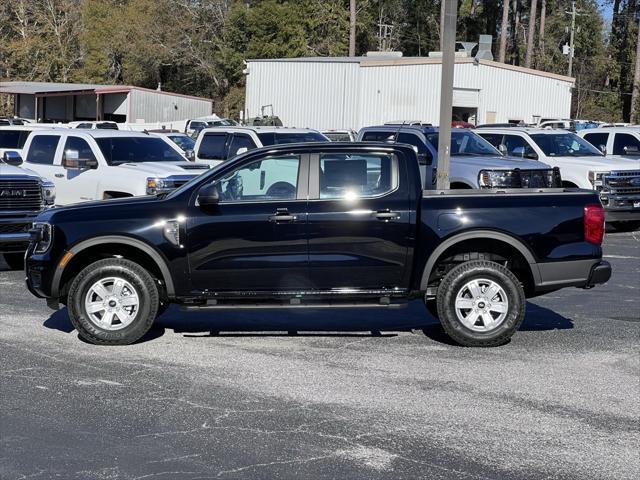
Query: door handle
<point x="386" y="215"/>
<point x="59" y="175"/>
<point x="282" y="216"/>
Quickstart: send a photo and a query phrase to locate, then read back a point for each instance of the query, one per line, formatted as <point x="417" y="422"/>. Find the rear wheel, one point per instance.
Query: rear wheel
<point x="14" y="260"/>
<point x="113" y="302"/>
<point x="626" y="226"/>
<point x="480" y="304"/>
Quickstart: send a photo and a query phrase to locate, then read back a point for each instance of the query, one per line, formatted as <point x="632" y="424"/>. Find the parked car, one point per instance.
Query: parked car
<point x="475" y="163"/>
<point x="198" y="124"/>
<point x="182" y="140"/>
<point x="5" y="121"/>
<point x="89" y="125"/>
<point x="560" y="124"/>
<point x="13" y="138"/>
<point x="354" y="229"/>
<point x="340" y="135"/>
<point x="216" y="145"/>
<point x="101" y="164"/>
<point x="582" y="166"/>
<point x="23" y="195"/>
<point x="624" y="141"/>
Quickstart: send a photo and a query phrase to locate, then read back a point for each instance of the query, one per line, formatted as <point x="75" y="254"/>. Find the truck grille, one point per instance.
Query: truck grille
<point x="20" y="195"/>
<point x="15" y="227"/>
<point x="622" y="183"/>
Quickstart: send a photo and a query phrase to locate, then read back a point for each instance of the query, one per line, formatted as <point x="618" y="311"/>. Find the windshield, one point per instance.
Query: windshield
<point x="183" y="141"/>
<point x="276" y="138"/>
<point x="13" y="138"/>
<point x="465" y="143"/>
<point x="564" y="145"/>
<point x="118" y="150"/>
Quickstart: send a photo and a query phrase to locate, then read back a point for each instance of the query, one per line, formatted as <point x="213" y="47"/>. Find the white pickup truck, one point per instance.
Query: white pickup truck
<point x="582" y="165"/>
<point x="217" y="144"/>
<point x="101" y="164"/>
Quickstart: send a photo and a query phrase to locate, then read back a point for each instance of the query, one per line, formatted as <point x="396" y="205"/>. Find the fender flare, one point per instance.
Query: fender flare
<point x="122" y="240"/>
<point x="483" y="234"/>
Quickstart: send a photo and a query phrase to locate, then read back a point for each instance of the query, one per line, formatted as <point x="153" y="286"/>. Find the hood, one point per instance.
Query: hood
<point x="165" y="169"/>
<point x="597" y="163"/>
<point x="118" y="203"/>
<point x="497" y="162"/>
<point x="6" y="170"/>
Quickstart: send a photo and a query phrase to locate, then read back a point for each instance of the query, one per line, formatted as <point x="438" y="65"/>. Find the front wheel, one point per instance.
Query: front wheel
<point x="626" y="226"/>
<point x="480" y="304"/>
<point x="113" y="302"/>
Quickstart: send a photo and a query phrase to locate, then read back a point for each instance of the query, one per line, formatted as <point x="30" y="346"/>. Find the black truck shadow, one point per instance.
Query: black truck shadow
<point x="324" y="323"/>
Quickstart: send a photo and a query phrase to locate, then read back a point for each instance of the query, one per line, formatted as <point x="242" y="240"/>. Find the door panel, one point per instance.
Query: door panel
<point x="359" y="221"/>
<point x="78" y="185"/>
<point x="255" y="239"/>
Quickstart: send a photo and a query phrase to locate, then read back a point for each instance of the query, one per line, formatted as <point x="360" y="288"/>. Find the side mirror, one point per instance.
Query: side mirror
<point x="12" y="158"/>
<point x="208" y="195"/>
<point x="630" y="150"/>
<point x="603" y="149"/>
<point x="502" y="148"/>
<point x="241" y="150"/>
<point x="71" y="161"/>
<point x="517" y="152"/>
<point x="191" y="155"/>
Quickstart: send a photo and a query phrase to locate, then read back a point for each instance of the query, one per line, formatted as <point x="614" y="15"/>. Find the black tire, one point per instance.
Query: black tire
<point x="456" y="280"/>
<point x="141" y="281"/>
<point x="14" y="260"/>
<point x="626" y="226"/>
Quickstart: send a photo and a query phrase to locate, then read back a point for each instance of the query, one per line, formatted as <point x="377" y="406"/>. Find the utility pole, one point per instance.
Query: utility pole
<point x="442" y="6"/>
<point x="352" y="28"/>
<point x="446" y="92"/>
<point x="636" y="79"/>
<point x="573" y="29"/>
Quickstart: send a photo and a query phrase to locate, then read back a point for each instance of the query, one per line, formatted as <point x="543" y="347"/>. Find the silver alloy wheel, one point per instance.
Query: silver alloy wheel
<point x="112" y="303"/>
<point x="482" y="305"/>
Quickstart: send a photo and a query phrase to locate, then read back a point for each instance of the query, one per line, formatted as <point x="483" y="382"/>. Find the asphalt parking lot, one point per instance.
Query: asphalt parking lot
<point x="351" y="395"/>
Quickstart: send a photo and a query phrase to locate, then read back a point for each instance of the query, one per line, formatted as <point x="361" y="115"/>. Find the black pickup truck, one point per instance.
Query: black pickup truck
<point x="325" y="225"/>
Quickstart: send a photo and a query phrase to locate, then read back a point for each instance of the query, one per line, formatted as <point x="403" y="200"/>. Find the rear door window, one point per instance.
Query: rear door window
<point x="353" y="176"/>
<point x="43" y="149"/>
<point x="213" y="146"/>
<point x="13" y="138"/>
<point x="240" y="140"/>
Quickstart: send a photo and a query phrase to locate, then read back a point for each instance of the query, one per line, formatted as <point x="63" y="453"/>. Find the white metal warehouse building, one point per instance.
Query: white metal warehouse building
<point x="66" y="102"/>
<point x="353" y="92"/>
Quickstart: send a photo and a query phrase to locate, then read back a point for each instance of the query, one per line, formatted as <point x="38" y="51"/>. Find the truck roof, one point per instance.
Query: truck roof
<point x="259" y="129"/>
<point x="527" y="130"/>
<point x="103" y="133"/>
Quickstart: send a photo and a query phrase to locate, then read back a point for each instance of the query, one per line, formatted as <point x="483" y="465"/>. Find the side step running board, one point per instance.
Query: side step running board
<point x="271" y="306"/>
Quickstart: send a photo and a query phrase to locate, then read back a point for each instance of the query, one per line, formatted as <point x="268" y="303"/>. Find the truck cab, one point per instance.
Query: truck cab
<point x="474" y="162"/>
<point x="616" y="178"/>
<point x="218" y="144"/>
<point x="101" y="164"/>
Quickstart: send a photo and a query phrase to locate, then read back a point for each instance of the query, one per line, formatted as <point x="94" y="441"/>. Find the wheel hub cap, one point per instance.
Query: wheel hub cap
<point x="481" y="305"/>
<point x="112" y="303"/>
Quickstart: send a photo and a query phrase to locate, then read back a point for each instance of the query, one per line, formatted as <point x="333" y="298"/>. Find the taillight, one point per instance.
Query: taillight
<point x="594" y="224"/>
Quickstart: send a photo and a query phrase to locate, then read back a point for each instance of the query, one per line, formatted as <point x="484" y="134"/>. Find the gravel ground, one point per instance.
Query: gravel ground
<point x="239" y="395"/>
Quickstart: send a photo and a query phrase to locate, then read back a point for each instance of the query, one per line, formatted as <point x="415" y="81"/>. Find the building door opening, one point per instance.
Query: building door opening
<point x="465" y="114"/>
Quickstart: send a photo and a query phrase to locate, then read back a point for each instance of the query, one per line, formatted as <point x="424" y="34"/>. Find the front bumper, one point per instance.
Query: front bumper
<point x="14" y="233"/>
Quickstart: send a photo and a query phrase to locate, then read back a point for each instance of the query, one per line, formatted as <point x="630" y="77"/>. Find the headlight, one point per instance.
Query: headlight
<point x="596" y="178"/>
<point x="48" y="193"/>
<point x="499" y="178"/>
<point x="42" y="235"/>
<point x="156" y="186"/>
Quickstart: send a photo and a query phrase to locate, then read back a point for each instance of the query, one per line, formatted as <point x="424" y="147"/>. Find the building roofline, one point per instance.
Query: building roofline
<point x="375" y="61"/>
